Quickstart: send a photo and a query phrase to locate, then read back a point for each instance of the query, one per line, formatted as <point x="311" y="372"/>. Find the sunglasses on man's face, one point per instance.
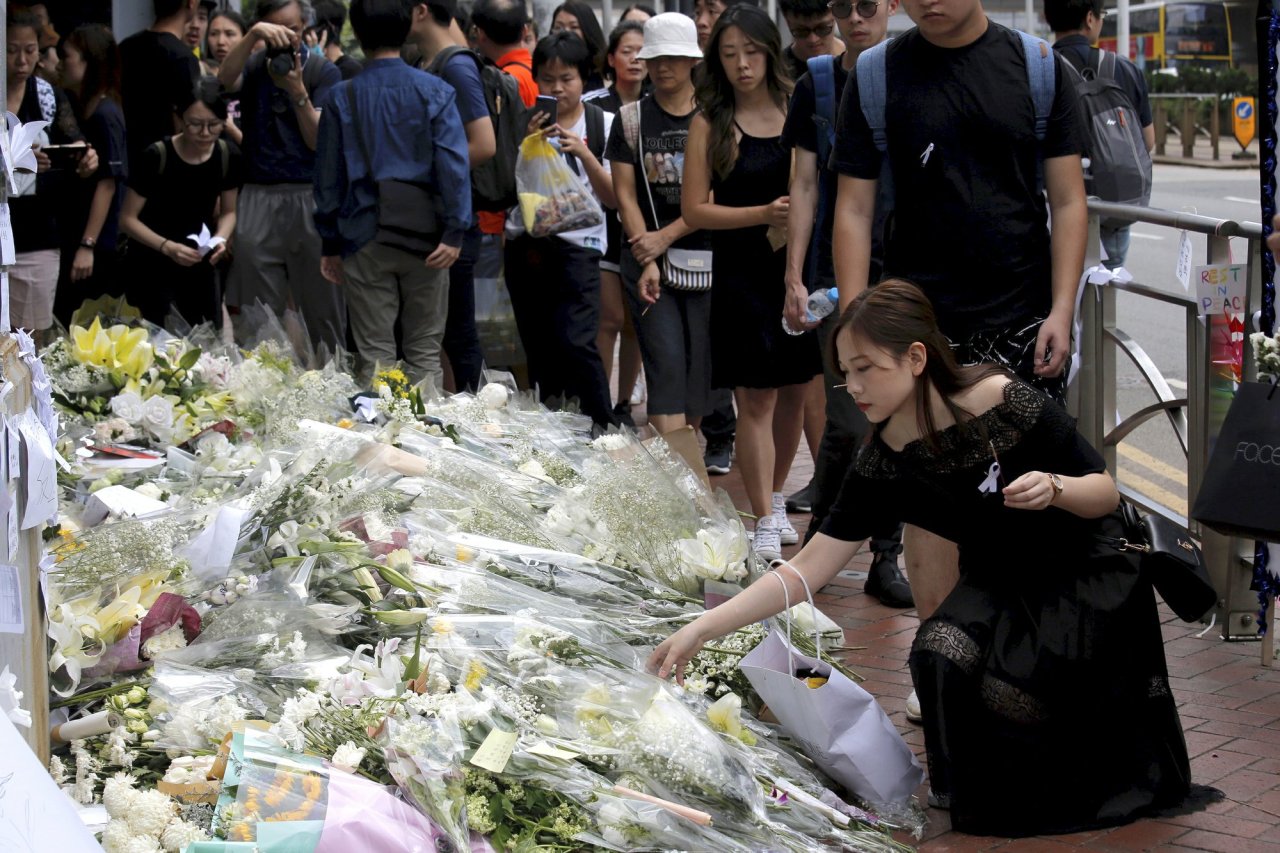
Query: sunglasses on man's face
<point x="843" y="8"/>
<point x="821" y="31"/>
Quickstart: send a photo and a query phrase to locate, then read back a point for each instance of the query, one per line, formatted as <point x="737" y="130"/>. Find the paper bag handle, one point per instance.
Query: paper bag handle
<point x="817" y="636"/>
<point x="786" y="614"/>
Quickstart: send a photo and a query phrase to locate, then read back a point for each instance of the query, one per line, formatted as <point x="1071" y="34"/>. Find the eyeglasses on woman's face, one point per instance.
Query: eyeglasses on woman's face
<point x="844" y="8"/>
<point x="213" y="126"/>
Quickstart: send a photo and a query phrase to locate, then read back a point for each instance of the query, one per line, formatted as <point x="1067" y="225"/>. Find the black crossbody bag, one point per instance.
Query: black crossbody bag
<point x="1170" y="559"/>
<point x="407" y="212"/>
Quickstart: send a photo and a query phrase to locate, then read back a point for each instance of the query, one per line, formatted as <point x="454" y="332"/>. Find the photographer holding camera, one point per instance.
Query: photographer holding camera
<point x="277" y="249"/>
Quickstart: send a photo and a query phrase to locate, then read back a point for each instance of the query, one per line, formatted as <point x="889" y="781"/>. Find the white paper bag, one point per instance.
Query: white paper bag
<point x="839" y="725"/>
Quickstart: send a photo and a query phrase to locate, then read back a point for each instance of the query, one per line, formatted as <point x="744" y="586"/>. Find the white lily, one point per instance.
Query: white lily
<point x="715" y="553"/>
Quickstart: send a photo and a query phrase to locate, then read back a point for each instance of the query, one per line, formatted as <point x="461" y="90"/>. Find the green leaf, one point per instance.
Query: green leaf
<point x="189" y="359"/>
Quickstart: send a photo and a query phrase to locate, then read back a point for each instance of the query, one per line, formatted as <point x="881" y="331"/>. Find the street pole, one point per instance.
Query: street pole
<point x="1122" y="29"/>
<point x="1030" y="11"/>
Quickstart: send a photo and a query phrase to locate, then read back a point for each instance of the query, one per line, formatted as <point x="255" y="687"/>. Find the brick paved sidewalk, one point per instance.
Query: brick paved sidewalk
<point x="1230" y="709"/>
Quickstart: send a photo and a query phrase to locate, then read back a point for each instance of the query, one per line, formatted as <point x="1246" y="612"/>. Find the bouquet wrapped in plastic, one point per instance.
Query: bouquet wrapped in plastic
<point x="553" y="199"/>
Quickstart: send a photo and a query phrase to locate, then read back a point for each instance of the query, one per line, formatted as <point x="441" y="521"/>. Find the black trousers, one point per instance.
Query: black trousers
<point x="555" y="293"/>
<point x="461" y="340"/>
<point x="156" y="285"/>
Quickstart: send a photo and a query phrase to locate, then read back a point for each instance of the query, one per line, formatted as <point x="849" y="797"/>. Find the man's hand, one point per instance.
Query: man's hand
<point x="331" y="269"/>
<point x="650" y="283"/>
<point x="796" y="308"/>
<point x="1055" y="340"/>
<point x="43" y="163"/>
<point x="88" y="165"/>
<point x="649" y="246"/>
<point x="443" y="257"/>
<point x="292" y="82"/>
<point x="273" y="35"/>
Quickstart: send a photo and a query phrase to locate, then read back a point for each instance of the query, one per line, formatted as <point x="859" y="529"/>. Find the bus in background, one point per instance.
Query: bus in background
<point x="1168" y="35"/>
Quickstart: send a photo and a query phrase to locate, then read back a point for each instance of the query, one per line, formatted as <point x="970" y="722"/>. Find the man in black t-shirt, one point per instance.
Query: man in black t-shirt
<point x="158" y="74"/>
<point x="969" y="222"/>
<point x="813" y="33"/>
<point x="862" y="24"/>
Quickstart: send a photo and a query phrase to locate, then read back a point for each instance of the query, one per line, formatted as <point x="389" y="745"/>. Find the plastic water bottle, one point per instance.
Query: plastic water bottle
<point x="821" y="303"/>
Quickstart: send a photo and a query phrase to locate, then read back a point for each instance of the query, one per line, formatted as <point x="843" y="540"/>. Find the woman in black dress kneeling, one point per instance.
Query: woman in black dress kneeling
<point x="1042" y="676"/>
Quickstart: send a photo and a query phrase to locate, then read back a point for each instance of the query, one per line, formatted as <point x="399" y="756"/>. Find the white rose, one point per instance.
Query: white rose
<point x="128" y="406"/>
<point x="157" y="414"/>
<point x="348" y="757"/>
<point x="493" y="396"/>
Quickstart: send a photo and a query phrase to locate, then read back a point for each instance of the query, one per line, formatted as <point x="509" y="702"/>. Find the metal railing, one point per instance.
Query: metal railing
<point x="1196" y="417"/>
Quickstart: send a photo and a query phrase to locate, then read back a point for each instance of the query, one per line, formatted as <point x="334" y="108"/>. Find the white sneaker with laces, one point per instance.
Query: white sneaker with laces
<point x="787" y="534"/>
<point x="765" y="542"/>
<point x="913" y="708"/>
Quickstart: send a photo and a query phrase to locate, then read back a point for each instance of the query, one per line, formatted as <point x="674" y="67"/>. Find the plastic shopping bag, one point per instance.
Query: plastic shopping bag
<point x="839" y="725"/>
<point x="552" y="198"/>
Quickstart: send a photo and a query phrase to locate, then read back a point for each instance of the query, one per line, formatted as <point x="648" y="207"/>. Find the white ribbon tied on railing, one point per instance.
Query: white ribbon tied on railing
<point x="992" y="484"/>
<point x="1093" y="275"/>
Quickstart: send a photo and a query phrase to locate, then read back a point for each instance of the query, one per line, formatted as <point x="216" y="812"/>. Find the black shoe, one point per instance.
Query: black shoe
<point x="801" y="501"/>
<point x="939" y="800"/>
<point x="886" y="582"/>
<point x="622" y="412"/>
<point x="718" y="458"/>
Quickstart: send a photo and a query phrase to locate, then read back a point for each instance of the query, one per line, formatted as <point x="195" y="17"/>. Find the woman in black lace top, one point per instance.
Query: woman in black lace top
<point x="1042" y="676"/>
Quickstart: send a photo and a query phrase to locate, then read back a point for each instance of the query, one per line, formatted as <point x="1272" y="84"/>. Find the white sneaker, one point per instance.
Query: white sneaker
<point x="913" y="708"/>
<point x="639" y="392"/>
<point x="765" y="543"/>
<point x="786" y="533"/>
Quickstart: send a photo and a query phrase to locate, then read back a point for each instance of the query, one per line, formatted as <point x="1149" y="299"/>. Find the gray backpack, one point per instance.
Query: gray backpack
<point x="1119" y="163"/>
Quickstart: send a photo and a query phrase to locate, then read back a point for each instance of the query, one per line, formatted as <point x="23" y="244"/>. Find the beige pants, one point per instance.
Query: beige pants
<point x="33" y="280"/>
<point x="383" y="284"/>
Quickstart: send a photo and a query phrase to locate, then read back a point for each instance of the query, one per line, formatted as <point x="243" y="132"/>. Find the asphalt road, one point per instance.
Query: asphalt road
<point x="1151" y="459"/>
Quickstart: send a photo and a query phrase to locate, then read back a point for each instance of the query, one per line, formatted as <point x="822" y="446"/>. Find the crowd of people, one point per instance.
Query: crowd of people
<point x="208" y="163"/>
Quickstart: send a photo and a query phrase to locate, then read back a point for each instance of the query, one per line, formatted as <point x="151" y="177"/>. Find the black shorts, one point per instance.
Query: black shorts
<point x="611" y="262"/>
<point x="1014" y="349"/>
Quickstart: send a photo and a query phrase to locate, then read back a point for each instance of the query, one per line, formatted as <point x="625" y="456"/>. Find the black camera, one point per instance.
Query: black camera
<point x="280" y="60"/>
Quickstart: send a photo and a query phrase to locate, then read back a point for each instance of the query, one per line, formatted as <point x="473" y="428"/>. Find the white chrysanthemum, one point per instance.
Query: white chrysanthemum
<point x="348" y="757"/>
<point x="141" y="844"/>
<point x="290" y="734"/>
<point x="116" y="836"/>
<point x="150" y="813"/>
<point x="179" y="833"/>
<point x="166" y="641"/>
<point x="493" y="396"/>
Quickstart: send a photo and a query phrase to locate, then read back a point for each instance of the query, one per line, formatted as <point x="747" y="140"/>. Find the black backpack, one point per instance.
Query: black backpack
<point x="493" y="184"/>
<point x="1119" y="163"/>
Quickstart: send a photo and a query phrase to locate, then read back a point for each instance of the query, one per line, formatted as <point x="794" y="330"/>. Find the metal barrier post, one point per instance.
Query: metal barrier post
<point x="1196" y="418"/>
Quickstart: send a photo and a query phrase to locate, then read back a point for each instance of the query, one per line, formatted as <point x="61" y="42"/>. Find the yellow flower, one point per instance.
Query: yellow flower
<point x="133" y="353"/>
<point x="725" y="715"/>
<point x="119" y="616"/>
<point x="91" y="345"/>
<point x="475" y="674"/>
<point x="441" y="625"/>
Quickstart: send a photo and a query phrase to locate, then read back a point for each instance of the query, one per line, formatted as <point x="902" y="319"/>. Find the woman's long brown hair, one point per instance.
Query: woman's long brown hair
<point x="895" y="314"/>
<point x="715" y="93"/>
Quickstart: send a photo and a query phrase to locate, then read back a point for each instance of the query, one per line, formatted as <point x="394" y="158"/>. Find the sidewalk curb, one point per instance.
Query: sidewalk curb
<point x="1237" y="165"/>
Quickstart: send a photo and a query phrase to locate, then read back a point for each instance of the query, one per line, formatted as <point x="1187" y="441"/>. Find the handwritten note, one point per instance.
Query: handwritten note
<point x="7" y="255"/>
<point x="546" y="750"/>
<point x="496" y="750"/>
<point x="10" y="601"/>
<point x="40" y="474"/>
<point x="1183" y="268"/>
<point x="34" y="814"/>
<point x="1221" y="289"/>
<point x="5" y="325"/>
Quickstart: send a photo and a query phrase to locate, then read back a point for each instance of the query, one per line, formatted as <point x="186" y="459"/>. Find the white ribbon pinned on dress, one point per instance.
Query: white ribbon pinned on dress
<point x="991" y="485"/>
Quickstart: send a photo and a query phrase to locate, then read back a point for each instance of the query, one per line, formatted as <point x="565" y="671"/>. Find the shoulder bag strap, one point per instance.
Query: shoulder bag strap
<point x="873" y="91"/>
<point x="644" y="175"/>
<point x="1040" y="76"/>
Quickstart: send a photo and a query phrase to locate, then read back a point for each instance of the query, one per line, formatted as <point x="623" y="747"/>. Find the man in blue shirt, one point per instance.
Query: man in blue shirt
<point x="392" y="132"/>
<point x="432" y="32"/>
<point x="277" y="250"/>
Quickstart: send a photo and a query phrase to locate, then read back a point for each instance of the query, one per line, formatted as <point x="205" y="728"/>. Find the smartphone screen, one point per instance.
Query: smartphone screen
<point x="64" y="156"/>
<point x="547" y="104"/>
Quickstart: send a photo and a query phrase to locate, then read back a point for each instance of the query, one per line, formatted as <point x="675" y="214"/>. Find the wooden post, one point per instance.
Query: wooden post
<point x="1188" y="132"/>
<point x="27" y="653"/>
<point x="1161" y="124"/>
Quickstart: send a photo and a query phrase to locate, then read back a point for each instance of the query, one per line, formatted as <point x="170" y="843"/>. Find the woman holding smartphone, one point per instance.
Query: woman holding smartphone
<point x="91" y="71"/>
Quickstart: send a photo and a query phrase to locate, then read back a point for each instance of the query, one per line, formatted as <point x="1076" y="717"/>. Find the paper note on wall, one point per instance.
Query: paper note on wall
<point x="39" y="472"/>
<point x="10" y="601"/>
<point x="34" y="813"/>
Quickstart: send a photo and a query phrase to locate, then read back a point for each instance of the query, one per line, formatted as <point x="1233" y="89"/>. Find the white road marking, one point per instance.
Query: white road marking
<point x="1240" y="200"/>
<point x="1142" y="236"/>
<point x="1176" y="383"/>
